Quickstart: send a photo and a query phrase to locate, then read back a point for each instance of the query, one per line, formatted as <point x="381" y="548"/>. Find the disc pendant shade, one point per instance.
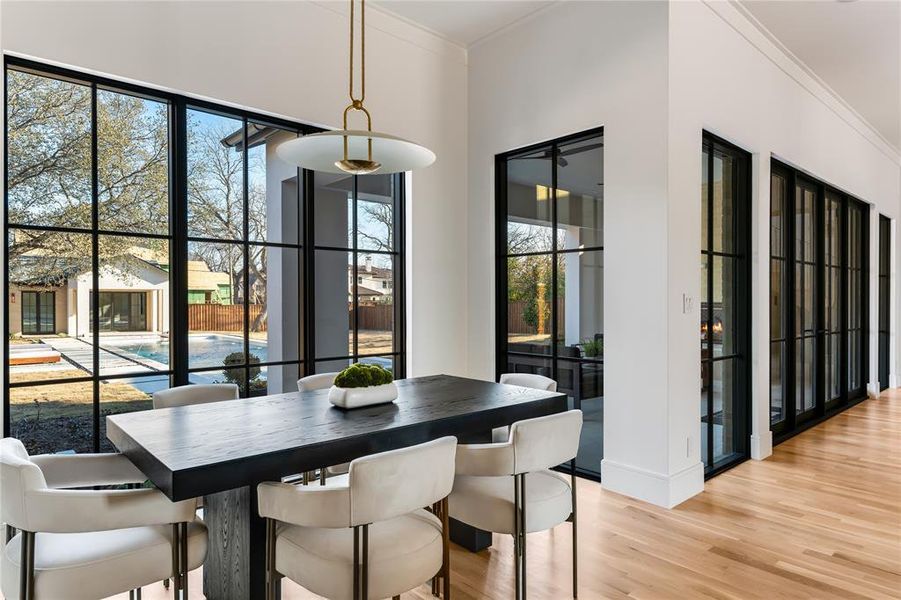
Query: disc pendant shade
<point x="322" y="152"/>
<point x="357" y="152"/>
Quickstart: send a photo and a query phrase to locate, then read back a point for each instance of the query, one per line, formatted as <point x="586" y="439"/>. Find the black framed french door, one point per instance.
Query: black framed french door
<point x="725" y="304"/>
<point x="550" y="274"/>
<point x="38" y="312"/>
<point x="885" y="243"/>
<point x="818" y="300"/>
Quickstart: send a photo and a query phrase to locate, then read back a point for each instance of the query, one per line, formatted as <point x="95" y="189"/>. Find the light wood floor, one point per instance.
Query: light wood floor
<point x="821" y="518"/>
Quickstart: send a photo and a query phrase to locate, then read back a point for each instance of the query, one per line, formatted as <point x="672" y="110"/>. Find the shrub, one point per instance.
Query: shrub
<point x="360" y="375"/>
<point x="236" y="376"/>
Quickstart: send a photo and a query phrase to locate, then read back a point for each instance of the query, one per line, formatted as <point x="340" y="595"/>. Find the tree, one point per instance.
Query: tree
<point x="50" y="173"/>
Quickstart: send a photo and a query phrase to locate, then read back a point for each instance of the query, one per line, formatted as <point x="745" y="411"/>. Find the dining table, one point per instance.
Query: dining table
<point x="221" y="451"/>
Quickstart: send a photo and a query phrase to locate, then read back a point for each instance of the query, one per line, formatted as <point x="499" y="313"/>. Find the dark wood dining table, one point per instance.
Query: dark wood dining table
<point x="222" y="450"/>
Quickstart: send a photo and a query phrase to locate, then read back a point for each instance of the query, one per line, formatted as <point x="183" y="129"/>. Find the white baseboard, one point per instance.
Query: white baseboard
<point x="873" y="389"/>
<point x="656" y="488"/>
<point x="761" y="445"/>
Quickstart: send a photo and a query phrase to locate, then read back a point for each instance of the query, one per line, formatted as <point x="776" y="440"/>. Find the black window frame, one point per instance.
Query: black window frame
<point x="792" y="423"/>
<point x="178" y="238"/>
<point x="501" y="254"/>
<point x="741" y="255"/>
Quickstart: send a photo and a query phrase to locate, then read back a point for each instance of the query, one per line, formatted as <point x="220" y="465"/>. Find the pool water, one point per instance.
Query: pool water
<point x="203" y="350"/>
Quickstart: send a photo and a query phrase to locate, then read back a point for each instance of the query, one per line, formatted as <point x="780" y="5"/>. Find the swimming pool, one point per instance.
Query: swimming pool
<point x="205" y="350"/>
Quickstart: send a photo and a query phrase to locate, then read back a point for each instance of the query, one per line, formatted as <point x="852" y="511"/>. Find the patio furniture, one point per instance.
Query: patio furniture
<point x="369" y="538"/>
<point x="90" y="543"/>
<point x="510" y="487"/>
<point x="216" y="451"/>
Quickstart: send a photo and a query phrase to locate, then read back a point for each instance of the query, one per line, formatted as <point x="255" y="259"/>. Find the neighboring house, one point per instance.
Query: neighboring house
<point x="207" y="287"/>
<point x="52" y="295"/>
<point x="373" y="283"/>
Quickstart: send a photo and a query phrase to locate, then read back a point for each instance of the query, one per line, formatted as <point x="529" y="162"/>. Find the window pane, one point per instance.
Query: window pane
<point x="277" y="379"/>
<point x="236" y="375"/>
<point x="133" y="304"/>
<point x="49" y="164"/>
<point x="705" y="308"/>
<point x="580" y="194"/>
<point x="723" y="409"/>
<point x="275" y="311"/>
<point x="215" y="304"/>
<point x="375" y="304"/>
<point x="53" y="418"/>
<point x="529" y="297"/>
<point x="51" y="273"/>
<point x="529" y="225"/>
<point x="583" y="382"/>
<point x="705" y="198"/>
<point x="777" y="381"/>
<point x="132" y="163"/>
<point x="580" y="304"/>
<point x="215" y="176"/>
<point x="529" y="364"/>
<point x="333" y="207"/>
<point x="375" y="213"/>
<point x="723" y="202"/>
<point x="127" y="395"/>
<point x="777" y="215"/>
<point x="334" y="303"/>
<point x="274" y="207"/>
<point x="333" y="366"/>
<point x="777" y="298"/>
<point x="724" y="319"/>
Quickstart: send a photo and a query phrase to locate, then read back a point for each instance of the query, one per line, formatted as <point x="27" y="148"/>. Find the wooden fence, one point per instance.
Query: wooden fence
<point x="230" y="317"/>
<point x="516" y="321"/>
<point x="222" y="317"/>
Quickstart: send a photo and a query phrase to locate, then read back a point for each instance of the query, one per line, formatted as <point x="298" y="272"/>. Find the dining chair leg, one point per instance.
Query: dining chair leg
<point x="184" y="560"/>
<point x="26" y="565"/>
<point x="436" y="510"/>
<point x="445" y="547"/>
<point x="356" y="562"/>
<point x="268" y="594"/>
<point x="365" y="567"/>
<point x="322" y="474"/>
<point x="176" y="563"/>
<point x="572" y="468"/>
<point x="525" y="530"/>
<point x="517" y="539"/>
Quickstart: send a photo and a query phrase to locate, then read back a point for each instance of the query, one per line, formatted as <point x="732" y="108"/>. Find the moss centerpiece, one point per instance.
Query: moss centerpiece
<point x="362" y="385"/>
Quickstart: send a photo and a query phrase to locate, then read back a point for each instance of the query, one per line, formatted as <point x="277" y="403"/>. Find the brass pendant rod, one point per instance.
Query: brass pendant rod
<point x="357" y="103"/>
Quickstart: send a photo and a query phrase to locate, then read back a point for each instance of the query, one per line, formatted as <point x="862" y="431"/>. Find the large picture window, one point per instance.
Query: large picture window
<point x="550" y="269"/>
<point x="154" y="240"/>
<point x="818" y="300"/>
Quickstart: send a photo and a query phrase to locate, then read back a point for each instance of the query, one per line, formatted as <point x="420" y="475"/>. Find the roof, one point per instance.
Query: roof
<point x="201" y="278"/>
<point x="365" y="291"/>
<point x="375" y="273"/>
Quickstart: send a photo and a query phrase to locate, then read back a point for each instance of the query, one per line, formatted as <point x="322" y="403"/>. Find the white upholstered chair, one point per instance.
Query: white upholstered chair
<point x="529" y="380"/>
<point x="311" y="383"/>
<point x="319" y="381"/>
<point x="195" y="393"/>
<point x="88" y="543"/>
<point x="370" y="538"/>
<point x="510" y="487"/>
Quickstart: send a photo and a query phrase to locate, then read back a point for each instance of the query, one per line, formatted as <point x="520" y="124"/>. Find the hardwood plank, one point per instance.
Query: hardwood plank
<point x="821" y="518"/>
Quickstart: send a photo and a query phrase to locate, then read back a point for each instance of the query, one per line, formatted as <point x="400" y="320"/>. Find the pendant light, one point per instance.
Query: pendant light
<point x="353" y="151"/>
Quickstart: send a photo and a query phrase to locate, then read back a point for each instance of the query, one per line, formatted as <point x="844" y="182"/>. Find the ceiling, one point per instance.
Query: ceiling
<point x="463" y="22"/>
<point x="854" y="47"/>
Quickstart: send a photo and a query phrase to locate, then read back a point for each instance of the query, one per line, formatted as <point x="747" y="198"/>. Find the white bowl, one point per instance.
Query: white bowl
<point x="364" y="396"/>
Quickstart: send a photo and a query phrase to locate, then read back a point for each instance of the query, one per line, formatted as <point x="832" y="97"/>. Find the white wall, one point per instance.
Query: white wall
<point x="570" y="68"/>
<point x="289" y="59"/>
<point x="727" y="78"/>
<point x="655" y="76"/>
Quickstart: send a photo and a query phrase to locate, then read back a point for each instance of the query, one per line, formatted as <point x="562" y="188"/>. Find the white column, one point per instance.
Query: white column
<point x="872" y="283"/>
<point x="761" y="435"/>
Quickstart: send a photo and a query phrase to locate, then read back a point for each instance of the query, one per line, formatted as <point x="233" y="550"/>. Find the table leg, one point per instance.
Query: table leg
<point x="474" y="540"/>
<point x="235" y="567"/>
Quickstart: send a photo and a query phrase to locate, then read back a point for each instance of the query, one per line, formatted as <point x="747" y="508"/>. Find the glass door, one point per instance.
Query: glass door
<point x="832" y="299"/>
<point x="885" y="236"/>
<point x="725" y="304"/>
<point x="805" y="313"/>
